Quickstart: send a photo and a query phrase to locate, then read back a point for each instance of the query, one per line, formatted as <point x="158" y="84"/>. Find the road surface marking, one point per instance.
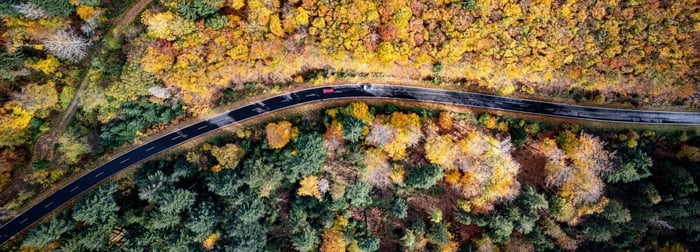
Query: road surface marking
<point x="150" y="148"/>
<point x="175" y="137"/>
<point x="202" y="127"/>
<point x="23" y="221"/>
<point x="99" y="174"/>
<point x="124" y="161"/>
<point x="48" y="205"/>
<point x="75" y="188"/>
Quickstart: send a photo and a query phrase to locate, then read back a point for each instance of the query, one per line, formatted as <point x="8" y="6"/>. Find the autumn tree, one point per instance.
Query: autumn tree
<point x="309" y="187"/>
<point x="31" y="10"/>
<point x="279" y="134"/>
<point x="67" y="45"/>
<point x="39" y="99"/>
<point x="72" y="147"/>
<point x="228" y="155"/>
<point x="579" y="182"/>
<point x="134" y="83"/>
<point x="14" y="122"/>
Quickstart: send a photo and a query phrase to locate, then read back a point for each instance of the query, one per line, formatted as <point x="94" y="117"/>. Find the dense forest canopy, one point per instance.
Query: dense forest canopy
<point x="81" y="80"/>
<point x="367" y="178"/>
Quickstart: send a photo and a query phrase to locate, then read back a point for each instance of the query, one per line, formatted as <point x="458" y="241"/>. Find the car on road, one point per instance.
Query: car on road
<point x="328" y="90"/>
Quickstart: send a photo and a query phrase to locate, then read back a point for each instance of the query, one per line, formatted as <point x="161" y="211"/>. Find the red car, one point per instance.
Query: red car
<point x="328" y="90"/>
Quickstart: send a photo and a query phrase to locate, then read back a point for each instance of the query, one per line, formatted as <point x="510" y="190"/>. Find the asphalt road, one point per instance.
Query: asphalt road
<point x="355" y="91"/>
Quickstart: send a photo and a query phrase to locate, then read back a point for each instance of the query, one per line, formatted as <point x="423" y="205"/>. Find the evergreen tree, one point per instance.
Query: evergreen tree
<point x="352" y="129"/>
<point x="197" y="9"/>
<point x="424" y="177"/>
<point x="439" y="235"/>
<point x="305" y="240"/>
<point x="400" y="208"/>
<point x="154" y="187"/>
<point x="616" y="213"/>
<point x="675" y="182"/>
<point x="224" y="183"/>
<point x="310" y="157"/>
<point x="47" y="232"/>
<point x="55" y="7"/>
<point x="98" y="207"/>
<point x="10" y="64"/>
<point x="634" y="166"/>
<point x="359" y="195"/>
<point x="368" y="243"/>
<point x="203" y="220"/>
<point x="176" y="201"/>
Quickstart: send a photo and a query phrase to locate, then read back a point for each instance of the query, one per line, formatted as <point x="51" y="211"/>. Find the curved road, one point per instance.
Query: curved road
<point x="46" y="206"/>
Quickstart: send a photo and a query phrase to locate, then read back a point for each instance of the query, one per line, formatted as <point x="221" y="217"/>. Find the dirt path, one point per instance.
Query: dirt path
<point x="43" y="149"/>
<point x="44" y="146"/>
<point x="130" y="15"/>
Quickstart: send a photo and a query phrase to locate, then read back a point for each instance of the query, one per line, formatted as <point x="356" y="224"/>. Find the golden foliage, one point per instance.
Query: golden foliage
<point x="360" y="111"/>
<point x="377" y="169"/>
<point x="576" y="171"/>
<point x="478" y="166"/>
<point x="333" y="239"/>
<point x="47" y="66"/>
<point x="445" y="120"/>
<point x="85" y="12"/>
<point x="38" y="99"/>
<point x="276" y="26"/>
<point x="14" y="122"/>
<point x="278" y="134"/>
<point x="309" y="187"/>
<point x="155" y="61"/>
<point x="228" y="155"/>
<point x="209" y="243"/>
<point x="689" y="152"/>
<point x="438" y="150"/>
<point x="397" y="174"/>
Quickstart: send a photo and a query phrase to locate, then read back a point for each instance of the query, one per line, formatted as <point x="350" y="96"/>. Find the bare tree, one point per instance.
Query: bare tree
<point x="31" y="11"/>
<point x="66" y="45"/>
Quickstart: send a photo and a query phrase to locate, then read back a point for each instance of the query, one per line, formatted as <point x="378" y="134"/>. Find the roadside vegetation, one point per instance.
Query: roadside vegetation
<point x="361" y="178"/>
<point x="80" y="82"/>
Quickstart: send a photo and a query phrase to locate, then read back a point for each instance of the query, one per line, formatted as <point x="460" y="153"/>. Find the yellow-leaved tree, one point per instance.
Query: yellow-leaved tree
<point x="228" y="155"/>
<point x="309" y="187"/>
<point x="575" y="170"/>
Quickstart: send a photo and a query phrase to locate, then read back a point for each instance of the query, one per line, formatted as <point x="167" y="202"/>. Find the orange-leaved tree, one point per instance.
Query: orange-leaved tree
<point x="279" y="134"/>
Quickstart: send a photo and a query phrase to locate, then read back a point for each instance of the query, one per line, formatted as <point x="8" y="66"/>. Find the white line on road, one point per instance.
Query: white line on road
<point x="150" y="148"/>
<point x="99" y="174"/>
<point x="48" y="205"/>
<point x="202" y="127"/>
<point x="124" y="161"/>
<point x="175" y="137"/>
<point x="23" y="221"/>
<point x="75" y="188"/>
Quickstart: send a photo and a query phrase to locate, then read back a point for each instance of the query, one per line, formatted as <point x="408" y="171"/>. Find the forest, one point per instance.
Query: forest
<point x="83" y="80"/>
<point x="384" y="178"/>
